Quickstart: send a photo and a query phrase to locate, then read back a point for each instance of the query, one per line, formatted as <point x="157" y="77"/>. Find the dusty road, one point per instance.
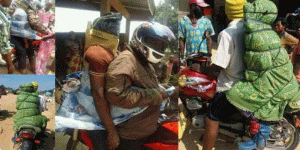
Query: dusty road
<point x="3" y="70"/>
<point x="8" y="109"/>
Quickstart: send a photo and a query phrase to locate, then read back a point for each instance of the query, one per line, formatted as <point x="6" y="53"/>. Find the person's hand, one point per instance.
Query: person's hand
<point x="26" y="46"/>
<point x="208" y="60"/>
<point x="113" y="140"/>
<point x="163" y="93"/>
<point x="175" y="95"/>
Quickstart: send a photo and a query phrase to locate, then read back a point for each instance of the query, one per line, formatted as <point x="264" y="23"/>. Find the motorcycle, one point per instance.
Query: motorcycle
<point x="165" y="138"/>
<point x="28" y="138"/>
<point x="196" y="91"/>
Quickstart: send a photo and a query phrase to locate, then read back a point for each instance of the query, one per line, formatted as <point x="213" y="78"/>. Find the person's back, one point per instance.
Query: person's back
<point x="228" y="67"/>
<point x="33" y="19"/>
<point x="229" y="55"/>
<point x="20" y="26"/>
<point x="141" y="76"/>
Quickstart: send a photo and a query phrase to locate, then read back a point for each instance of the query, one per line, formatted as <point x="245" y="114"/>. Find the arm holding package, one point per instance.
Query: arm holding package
<point x="120" y="90"/>
<point x="35" y="22"/>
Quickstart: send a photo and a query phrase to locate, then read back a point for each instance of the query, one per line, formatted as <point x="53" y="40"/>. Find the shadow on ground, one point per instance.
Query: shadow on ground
<point x="4" y="114"/>
<point x="49" y="140"/>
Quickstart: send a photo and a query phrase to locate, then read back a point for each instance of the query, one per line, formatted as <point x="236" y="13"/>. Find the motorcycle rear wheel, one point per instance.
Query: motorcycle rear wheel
<point x="27" y="145"/>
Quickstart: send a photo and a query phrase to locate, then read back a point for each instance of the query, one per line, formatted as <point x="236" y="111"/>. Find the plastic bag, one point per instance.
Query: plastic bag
<point x="195" y="84"/>
<point x="78" y="110"/>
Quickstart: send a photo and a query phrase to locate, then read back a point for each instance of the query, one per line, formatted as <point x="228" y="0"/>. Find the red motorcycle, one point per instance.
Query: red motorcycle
<point x="197" y="89"/>
<point x="165" y="138"/>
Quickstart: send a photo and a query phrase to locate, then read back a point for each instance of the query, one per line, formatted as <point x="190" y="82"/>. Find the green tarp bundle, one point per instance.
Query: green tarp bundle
<point x="28" y="113"/>
<point x="269" y="84"/>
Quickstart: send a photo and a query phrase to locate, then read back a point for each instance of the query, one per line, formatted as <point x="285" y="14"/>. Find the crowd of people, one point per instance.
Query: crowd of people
<point x="288" y="29"/>
<point x="28" y="29"/>
<point x="166" y="70"/>
<point x="122" y="77"/>
<point x="229" y="65"/>
<point x="128" y="80"/>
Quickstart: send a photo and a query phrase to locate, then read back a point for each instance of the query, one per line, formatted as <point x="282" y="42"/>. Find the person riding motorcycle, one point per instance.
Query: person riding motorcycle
<point x="29" y="7"/>
<point x="131" y="82"/>
<point x="246" y="83"/>
<point x="101" y="43"/>
<point x="228" y="69"/>
<point x="28" y="108"/>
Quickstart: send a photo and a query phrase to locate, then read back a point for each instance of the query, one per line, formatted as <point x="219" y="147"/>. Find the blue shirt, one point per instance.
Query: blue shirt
<point x="193" y="35"/>
<point x="20" y="26"/>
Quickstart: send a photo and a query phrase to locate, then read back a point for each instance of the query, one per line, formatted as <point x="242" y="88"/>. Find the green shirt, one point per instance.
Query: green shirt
<point x="5" y="46"/>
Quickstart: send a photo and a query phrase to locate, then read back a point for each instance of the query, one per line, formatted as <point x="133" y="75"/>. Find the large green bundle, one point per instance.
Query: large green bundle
<point x="270" y="84"/>
<point x="28" y="109"/>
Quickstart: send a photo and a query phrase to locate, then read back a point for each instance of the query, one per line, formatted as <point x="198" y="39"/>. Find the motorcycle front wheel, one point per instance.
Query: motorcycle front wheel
<point x="283" y="136"/>
<point x="293" y="141"/>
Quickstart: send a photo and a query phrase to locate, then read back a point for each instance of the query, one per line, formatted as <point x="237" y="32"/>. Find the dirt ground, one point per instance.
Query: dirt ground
<point x="3" y="70"/>
<point x="192" y="139"/>
<point x="7" y="111"/>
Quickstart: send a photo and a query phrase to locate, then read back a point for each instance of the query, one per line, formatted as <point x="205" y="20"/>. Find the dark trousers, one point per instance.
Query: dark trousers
<point x="21" y="52"/>
<point x="220" y="109"/>
<point x="99" y="139"/>
<point x="126" y="144"/>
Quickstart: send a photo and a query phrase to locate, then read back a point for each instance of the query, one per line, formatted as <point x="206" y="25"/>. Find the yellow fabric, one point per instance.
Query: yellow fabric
<point x="35" y="85"/>
<point x="96" y="37"/>
<point x="234" y="9"/>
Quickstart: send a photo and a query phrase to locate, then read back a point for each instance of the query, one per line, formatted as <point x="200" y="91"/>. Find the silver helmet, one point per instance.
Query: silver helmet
<point x="152" y="39"/>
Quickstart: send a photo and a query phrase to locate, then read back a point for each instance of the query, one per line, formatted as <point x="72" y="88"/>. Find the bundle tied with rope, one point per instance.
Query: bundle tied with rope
<point x="269" y="84"/>
<point x="28" y="113"/>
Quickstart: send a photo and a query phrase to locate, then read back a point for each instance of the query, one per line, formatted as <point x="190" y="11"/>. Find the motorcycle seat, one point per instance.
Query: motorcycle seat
<point x="36" y="129"/>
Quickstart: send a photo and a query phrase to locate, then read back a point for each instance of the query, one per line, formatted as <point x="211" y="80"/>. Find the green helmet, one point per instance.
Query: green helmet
<point x="29" y="87"/>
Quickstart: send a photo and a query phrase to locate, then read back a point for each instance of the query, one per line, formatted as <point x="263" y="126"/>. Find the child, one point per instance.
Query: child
<point x="5" y="46"/>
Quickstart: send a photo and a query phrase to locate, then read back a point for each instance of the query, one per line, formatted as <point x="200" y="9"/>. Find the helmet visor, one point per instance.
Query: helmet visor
<point x="155" y="43"/>
<point x="154" y="56"/>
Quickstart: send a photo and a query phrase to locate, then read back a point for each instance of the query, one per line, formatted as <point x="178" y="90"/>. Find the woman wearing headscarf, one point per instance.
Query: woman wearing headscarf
<point x="47" y="46"/>
<point x="102" y="39"/>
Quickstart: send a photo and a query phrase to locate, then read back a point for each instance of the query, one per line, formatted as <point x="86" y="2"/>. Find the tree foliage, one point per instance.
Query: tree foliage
<point x="167" y="14"/>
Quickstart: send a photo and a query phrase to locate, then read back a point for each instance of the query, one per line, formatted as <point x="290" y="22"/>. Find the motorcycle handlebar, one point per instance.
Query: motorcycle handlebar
<point x="200" y="54"/>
